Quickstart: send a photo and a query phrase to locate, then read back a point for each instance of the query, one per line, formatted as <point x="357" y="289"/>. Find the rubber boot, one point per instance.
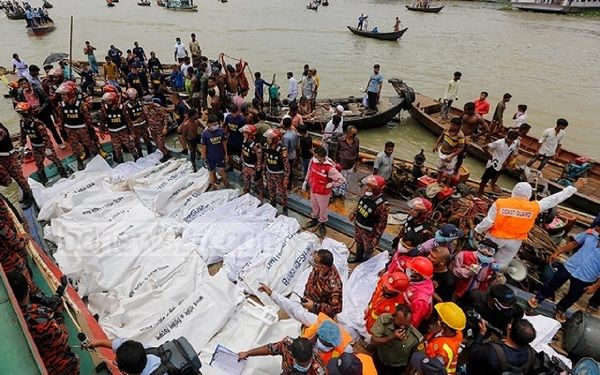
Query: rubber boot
<point x="273" y="203"/>
<point x="165" y="158"/>
<point x="118" y="159"/>
<point x="312" y="223"/>
<point x="80" y="165"/>
<point x="102" y="153"/>
<point x="321" y="230"/>
<point x="139" y="150"/>
<point x="149" y="148"/>
<point x="285" y="211"/>
<point x="42" y="176"/>
<point x="27" y="200"/>
<point x="359" y="256"/>
<point x="62" y="171"/>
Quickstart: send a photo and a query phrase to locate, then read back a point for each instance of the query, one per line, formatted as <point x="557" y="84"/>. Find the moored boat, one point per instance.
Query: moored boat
<point x="426" y="111"/>
<point x="43" y="27"/>
<point x="394" y="35"/>
<point x="144" y="3"/>
<point x="425" y="9"/>
<point x="14" y="15"/>
<point x="555" y="6"/>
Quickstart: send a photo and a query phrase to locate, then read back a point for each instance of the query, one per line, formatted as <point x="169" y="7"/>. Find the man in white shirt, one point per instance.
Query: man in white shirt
<point x="550" y="143"/>
<point x="520" y="117"/>
<point x="180" y="52"/>
<point x="384" y="162"/>
<point x="331" y="134"/>
<point x="500" y="153"/>
<point x="451" y="94"/>
<point x="19" y="66"/>
<point x="292" y="87"/>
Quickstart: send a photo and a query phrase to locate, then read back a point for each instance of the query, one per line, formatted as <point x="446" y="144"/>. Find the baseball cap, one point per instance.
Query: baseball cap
<point x="427" y="366"/>
<point x="451" y="231"/>
<point x="346" y="364"/>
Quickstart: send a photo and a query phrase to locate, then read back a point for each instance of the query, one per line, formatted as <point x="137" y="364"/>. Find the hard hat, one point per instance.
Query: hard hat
<point x="420" y="204"/>
<point x="248" y="128"/>
<point x="422" y="266"/>
<point x="329" y="333"/>
<point x="57" y="73"/>
<point x="110" y="97"/>
<point x="395" y="282"/>
<point x="66" y="88"/>
<point x="376" y="182"/>
<point x="451" y="315"/>
<point x="581" y="160"/>
<point x="131" y="93"/>
<point x="273" y="134"/>
<point x="109" y="88"/>
<point x="22" y="107"/>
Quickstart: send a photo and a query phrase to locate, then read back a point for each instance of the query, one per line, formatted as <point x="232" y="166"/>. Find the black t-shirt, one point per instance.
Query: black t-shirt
<point x="139" y="52"/>
<point x="483" y="359"/>
<point x="88" y="76"/>
<point x="154" y="62"/>
<point x="305" y="147"/>
<point x="444" y="284"/>
<point x="497" y="318"/>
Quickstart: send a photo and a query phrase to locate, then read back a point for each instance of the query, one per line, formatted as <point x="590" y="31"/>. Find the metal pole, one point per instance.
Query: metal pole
<point x="71" y="50"/>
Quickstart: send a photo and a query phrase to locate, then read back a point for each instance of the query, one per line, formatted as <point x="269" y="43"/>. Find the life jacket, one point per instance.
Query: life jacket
<point x="447" y="348"/>
<point x="311" y="332"/>
<point x="73" y="115"/>
<point x="248" y="155"/>
<point x="366" y="214"/>
<point x="514" y="218"/>
<point x="274" y="160"/>
<point x="380" y="305"/>
<point x="367" y="364"/>
<point x="36" y="139"/>
<point x="6" y="146"/>
<point x="319" y="177"/>
<point x="135" y="112"/>
<point x="115" y="120"/>
<point x="421" y="291"/>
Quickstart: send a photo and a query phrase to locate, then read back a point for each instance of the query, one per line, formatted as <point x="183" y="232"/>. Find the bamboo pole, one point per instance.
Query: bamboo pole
<point x="71" y="50"/>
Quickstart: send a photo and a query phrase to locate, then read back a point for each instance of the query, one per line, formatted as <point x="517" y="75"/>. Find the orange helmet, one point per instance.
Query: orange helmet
<point x="249" y="128"/>
<point x="67" y="88"/>
<point x="377" y="183"/>
<point x="420" y="204"/>
<point x="22" y="107"/>
<point x="56" y="73"/>
<point x="274" y="134"/>
<point x="109" y="88"/>
<point x="131" y="93"/>
<point x="110" y="98"/>
<point x="422" y="266"/>
<point x="396" y="281"/>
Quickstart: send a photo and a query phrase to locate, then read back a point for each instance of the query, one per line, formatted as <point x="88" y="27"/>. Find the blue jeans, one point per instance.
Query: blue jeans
<point x="93" y="63"/>
<point x="305" y="163"/>
<point x="576" y="288"/>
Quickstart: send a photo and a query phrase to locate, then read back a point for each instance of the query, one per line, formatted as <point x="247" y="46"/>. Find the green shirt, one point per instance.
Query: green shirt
<point x="395" y="353"/>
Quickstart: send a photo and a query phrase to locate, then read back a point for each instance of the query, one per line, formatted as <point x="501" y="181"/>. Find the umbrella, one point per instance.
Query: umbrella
<point x="54" y="57"/>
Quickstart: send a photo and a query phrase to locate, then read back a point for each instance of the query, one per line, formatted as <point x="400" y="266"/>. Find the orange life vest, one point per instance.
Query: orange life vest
<point x="446" y="348"/>
<point x="514" y="218"/>
<point x="367" y="363"/>
<point x="311" y="332"/>
<point x="380" y="305"/>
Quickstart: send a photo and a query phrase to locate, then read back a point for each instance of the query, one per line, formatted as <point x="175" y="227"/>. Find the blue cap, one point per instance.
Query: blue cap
<point x="450" y="231"/>
<point x="346" y="364"/>
<point x="329" y="333"/>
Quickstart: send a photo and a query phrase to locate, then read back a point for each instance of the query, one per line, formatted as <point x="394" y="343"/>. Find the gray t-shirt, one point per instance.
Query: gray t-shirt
<point x="383" y="164"/>
<point x="290" y="141"/>
<point x="308" y="87"/>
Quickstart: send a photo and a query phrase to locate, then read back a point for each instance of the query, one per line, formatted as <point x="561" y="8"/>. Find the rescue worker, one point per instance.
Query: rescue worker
<point x="118" y="124"/>
<point x="252" y="160"/>
<point x="352" y="364"/>
<point x="322" y="177"/>
<point x="47" y="328"/>
<point x="277" y="168"/>
<point x="74" y="117"/>
<point x="420" y="290"/>
<point x="443" y="342"/>
<point x="388" y="294"/>
<point x="41" y="145"/>
<point x="329" y="338"/>
<point x="139" y="123"/>
<point x="298" y="356"/>
<point x="370" y="218"/>
<point x="509" y="220"/>
<point x="10" y="167"/>
<point x="323" y="291"/>
<point x="158" y="121"/>
<point x="417" y="220"/>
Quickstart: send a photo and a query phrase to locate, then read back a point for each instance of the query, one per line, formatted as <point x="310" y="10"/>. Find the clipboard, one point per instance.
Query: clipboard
<point x="226" y="360"/>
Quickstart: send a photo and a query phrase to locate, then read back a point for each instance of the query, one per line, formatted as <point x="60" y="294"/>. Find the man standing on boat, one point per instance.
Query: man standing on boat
<point x="473" y="125"/>
<point x="41" y="145"/>
<point x="88" y="51"/>
<point x="348" y="151"/>
<point x="501" y="152"/>
<point x="180" y="52"/>
<point x="116" y="121"/>
<point x="19" y="66"/>
<point x="482" y="106"/>
<point x="158" y="121"/>
<point x="292" y="87"/>
<point x="550" y="143"/>
<point x="374" y="87"/>
<point x="10" y="167"/>
<point x="452" y="143"/>
<point x="450" y="95"/>
<point x="498" y="118"/>
<point x="277" y="168"/>
<point x="195" y="50"/>
<point x="370" y="218"/>
<point x="509" y="220"/>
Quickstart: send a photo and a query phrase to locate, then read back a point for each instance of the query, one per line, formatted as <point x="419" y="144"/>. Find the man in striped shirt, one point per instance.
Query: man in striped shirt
<point x="452" y="143"/>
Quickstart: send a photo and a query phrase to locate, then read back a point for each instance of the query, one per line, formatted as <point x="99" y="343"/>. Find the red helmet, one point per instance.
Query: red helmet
<point x="131" y="93"/>
<point x="22" y="107"/>
<point x="110" y="97"/>
<point x="67" y="88"/>
<point x="420" y="204"/>
<point x="377" y="183"/>
<point x="396" y="281"/>
<point x="56" y="73"/>
<point x="422" y="266"/>
<point x="109" y="88"/>
<point x="248" y="128"/>
<point x="273" y="134"/>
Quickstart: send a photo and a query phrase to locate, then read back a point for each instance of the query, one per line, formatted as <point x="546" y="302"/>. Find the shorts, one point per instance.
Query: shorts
<point x="444" y="166"/>
<point x="489" y="174"/>
<point x="216" y="163"/>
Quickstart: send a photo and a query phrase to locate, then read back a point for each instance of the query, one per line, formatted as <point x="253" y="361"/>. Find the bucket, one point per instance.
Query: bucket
<point x="582" y="336"/>
<point x="587" y="366"/>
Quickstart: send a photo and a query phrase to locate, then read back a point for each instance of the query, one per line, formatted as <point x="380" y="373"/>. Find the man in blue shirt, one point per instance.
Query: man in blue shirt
<point x="131" y="355"/>
<point x="582" y="269"/>
<point x="374" y="87"/>
<point x="214" y="150"/>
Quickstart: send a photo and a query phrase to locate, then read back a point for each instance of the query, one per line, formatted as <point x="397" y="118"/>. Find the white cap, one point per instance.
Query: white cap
<point x="340" y="109"/>
<point x="522" y="190"/>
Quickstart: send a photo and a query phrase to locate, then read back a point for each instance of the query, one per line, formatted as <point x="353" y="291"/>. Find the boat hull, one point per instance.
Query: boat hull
<point x="425" y="10"/>
<point x="381" y="36"/>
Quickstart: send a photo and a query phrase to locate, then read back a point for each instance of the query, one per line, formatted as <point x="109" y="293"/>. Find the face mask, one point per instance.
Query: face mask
<point x="368" y="193"/>
<point x="402" y="249"/>
<point x="214" y="127"/>
<point x="299" y="368"/>
<point x="484" y="259"/>
<point x="322" y="347"/>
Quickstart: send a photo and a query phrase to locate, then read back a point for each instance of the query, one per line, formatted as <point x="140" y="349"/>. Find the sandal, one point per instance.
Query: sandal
<point x="560" y="316"/>
<point x="533" y="303"/>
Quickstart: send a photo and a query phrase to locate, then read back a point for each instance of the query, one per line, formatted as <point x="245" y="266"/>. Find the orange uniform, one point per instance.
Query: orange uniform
<point x="445" y="348"/>
<point x="311" y="332"/>
<point x="380" y="305"/>
<point x="514" y="218"/>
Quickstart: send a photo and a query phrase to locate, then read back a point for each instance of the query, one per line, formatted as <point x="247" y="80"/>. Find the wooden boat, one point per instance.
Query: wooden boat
<point x="42" y="28"/>
<point x="325" y="3"/>
<point x="354" y="113"/>
<point x="394" y="35"/>
<point x="47" y="5"/>
<point x="182" y="5"/>
<point x="160" y="3"/>
<point x="144" y="3"/>
<point x="425" y="10"/>
<point x="14" y="16"/>
<point x="426" y="111"/>
<point x="110" y="5"/>
<point x="312" y="6"/>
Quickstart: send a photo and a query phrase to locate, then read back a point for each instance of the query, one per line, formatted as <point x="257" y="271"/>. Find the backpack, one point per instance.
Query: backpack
<point x="177" y="357"/>
<point x="508" y="369"/>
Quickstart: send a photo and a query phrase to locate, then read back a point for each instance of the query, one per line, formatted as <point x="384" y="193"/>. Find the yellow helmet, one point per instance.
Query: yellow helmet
<point x="452" y="315"/>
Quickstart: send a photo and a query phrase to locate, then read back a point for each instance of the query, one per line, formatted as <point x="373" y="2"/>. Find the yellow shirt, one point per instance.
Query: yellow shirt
<point x="317" y="82"/>
<point x="111" y="71"/>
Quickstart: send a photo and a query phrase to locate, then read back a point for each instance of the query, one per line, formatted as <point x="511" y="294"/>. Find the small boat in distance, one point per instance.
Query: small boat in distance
<point x="312" y="6"/>
<point x="144" y="3"/>
<point x="47" y="5"/>
<point x="556" y="6"/>
<point x="394" y="35"/>
<point x="424" y="6"/>
<point x="325" y="3"/>
<point x="182" y="5"/>
<point x="14" y="15"/>
<point x="42" y="28"/>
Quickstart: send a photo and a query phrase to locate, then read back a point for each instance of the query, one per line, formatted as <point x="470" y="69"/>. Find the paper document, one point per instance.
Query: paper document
<point x="227" y="360"/>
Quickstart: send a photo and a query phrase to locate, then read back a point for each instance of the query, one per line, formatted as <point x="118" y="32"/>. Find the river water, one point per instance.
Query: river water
<point x="549" y="62"/>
